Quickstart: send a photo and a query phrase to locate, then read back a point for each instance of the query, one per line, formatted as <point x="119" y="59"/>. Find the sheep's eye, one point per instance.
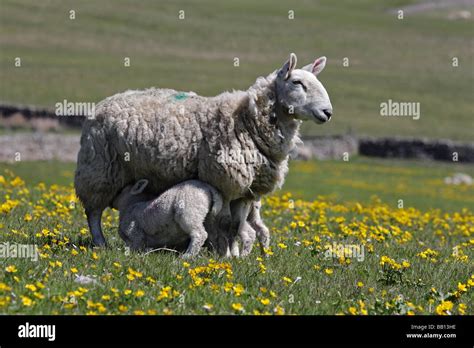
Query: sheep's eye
<point x="298" y="82"/>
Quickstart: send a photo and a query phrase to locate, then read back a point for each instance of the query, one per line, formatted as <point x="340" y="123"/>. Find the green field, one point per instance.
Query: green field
<point x="419" y="184"/>
<point x="345" y="252"/>
<point x="402" y="60"/>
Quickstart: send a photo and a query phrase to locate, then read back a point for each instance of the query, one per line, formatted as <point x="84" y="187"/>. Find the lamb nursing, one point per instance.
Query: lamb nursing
<point x="168" y="137"/>
<point x="179" y="218"/>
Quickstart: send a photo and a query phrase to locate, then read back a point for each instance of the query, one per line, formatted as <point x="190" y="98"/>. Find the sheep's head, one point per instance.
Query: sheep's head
<point x="299" y="92"/>
<point x="131" y="194"/>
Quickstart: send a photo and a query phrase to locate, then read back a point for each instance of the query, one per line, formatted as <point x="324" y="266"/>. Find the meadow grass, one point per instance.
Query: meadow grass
<point x="340" y="253"/>
<point x="403" y="60"/>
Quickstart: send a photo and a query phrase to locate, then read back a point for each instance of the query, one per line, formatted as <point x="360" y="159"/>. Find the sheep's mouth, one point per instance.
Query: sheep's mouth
<point x="319" y="118"/>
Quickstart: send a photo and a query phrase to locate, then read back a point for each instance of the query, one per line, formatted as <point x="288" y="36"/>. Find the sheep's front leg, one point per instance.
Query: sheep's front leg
<point x="247" y="234"/>
<point x="262" y="231"/>
<point x="240" y="210"/>
<point x="94" y="218"/>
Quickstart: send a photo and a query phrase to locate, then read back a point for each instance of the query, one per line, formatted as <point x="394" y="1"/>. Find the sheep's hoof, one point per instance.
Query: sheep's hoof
<point x="100" y="243"/>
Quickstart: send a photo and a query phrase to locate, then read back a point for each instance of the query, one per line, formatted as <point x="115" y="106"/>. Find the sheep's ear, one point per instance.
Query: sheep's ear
<point x="139" y="187"/>
<point x="317" y="66"/>
<point x="288" y="67"/>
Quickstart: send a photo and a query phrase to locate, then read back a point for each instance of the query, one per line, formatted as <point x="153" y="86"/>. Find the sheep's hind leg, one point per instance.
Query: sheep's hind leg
<point x="94" y="218"/>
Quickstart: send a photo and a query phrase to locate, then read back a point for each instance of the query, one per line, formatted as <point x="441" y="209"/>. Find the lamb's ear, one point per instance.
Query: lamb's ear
<point x="288" y="67"/>
<point x="139" y="187"/>
<point x="317" y="66"/>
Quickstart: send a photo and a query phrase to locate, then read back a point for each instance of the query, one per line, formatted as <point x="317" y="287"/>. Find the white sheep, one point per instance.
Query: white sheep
<point x="168" y="137"/>
<point x="179" y="218"/>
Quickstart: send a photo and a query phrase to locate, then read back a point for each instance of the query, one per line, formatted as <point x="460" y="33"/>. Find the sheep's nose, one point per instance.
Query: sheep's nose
<point x="328" y="113"/>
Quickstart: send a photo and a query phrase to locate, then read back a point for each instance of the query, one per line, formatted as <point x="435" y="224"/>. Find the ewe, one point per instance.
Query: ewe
<point x="179" y="218"/>
<point x="168" y="137"/>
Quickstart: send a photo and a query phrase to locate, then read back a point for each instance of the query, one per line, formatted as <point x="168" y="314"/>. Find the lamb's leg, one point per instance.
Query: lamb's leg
<point x="224" y="221"/>
<point x="94" y="218"/>
<point x="198" y="238"/>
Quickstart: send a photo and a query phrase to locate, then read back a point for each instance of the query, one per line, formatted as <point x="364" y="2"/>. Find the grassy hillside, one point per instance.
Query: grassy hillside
<point x="402" y="60"/>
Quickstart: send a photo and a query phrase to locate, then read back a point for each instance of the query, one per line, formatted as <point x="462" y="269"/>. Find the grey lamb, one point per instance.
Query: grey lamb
<point x="179" y="218"/>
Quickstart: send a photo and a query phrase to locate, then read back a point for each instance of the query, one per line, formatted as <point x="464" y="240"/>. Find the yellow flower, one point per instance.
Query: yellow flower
<point x="265" y="301"/>
<point x="268" y="251"/>
<point x="287" y="280"/>
<point x="105" y="297"/>
<point x="353" y="310"/>
<point x="11" y="269"/>
<point x="139" y="312"/>
<point x="28" y="217"/>
<point x="360" y="284"/>
<point x="27" y="302"/>
<point x="328" y="271"/>
<point x="278" y="310"/>
<point x="405" y="264"/>
<point x="95" y="256"/>
<point x="4" y="287"/>
<point x="444" y="308"/>
<point x="462" y="287"/>
<point x="282" y="246"/>
<point x="293" y="224"/>
<point x="462" y="308"/>
<point x="31" y="287"/>
<point x="127" y="292"/>
<point x="238" y="289"/>
<point x="122" y="308"/>
<point x="237" y="307"/>
<point x="139" y="293"/>
<point x="74" y="270"/>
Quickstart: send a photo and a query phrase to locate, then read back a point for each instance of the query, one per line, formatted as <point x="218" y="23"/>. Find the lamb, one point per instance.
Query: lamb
<point x="179" y="218"/>
<point x="237" y="142"/>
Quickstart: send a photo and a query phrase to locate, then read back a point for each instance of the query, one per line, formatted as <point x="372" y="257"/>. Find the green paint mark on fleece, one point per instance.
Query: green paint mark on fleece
<point x="180" y="96"/>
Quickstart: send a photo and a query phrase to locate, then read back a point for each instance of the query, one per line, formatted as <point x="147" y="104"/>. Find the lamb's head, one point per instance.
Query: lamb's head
<point x="131" y="194"/>
<point x="299" y="92"/>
